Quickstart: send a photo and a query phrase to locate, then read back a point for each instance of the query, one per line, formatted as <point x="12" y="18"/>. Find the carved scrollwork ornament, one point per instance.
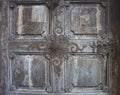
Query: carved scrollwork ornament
<point x="56" y="61"/>
<point x="73" y="47"/>
<point x="58" y="6"/>
<point x="104" y="46"/>
<point x="57" y="48"/>
<point x="103" y="43"/>
<point x="42" y="45"/>
<point x="57" y="65"/>
<point x="58" y="29"/>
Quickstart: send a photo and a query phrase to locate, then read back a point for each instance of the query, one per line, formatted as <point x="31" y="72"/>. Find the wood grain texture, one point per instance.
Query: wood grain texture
<point x="29" y="71"/>
<point x="115" y="28"/>
<point x="84" y="70"/>
<point x="3" y="48"/>
<point x="62" y="22"/>
<point x="29" y="21"/>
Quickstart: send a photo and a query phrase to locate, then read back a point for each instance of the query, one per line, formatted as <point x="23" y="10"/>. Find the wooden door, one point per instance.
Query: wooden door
<point x="57" y="47"/>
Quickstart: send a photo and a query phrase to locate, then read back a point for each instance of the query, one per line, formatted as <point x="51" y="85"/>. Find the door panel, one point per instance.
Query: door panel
<point x="84" y="21"/>
<point x="29" y="21"/>
<point x="29" y="67"/>
<point x="30" y="71"/>
<point x="84" y="18"/>
<point x="85" y="72"/>
<point x="85" y="67"/>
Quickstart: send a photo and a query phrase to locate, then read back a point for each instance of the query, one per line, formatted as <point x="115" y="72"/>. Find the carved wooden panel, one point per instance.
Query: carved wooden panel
<point x="29" y="21"/>
<point x="29" y="66"/>
<point x="84" y="21"/>
<point x="85" y="71"/>
<point x="29" y="71"/>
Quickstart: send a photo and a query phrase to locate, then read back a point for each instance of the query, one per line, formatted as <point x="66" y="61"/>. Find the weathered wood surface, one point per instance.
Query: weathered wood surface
<point x="58" y="51"/>
<point x="115" y="29"/>
<point x="3" y="48"/>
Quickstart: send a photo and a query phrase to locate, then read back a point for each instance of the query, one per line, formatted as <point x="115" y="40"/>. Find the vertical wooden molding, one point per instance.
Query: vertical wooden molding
<point x="3" y="47"/>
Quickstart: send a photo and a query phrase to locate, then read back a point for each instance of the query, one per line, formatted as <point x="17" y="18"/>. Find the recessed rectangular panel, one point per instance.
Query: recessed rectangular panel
<point x="30" y="20"/>
<point x="84" y="70"/>
<point x="84" y="20"/>
<point x="30" y="71"/>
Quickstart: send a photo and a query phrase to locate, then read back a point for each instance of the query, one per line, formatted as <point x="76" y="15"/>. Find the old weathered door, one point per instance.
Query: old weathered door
<point x="57" y="47"/>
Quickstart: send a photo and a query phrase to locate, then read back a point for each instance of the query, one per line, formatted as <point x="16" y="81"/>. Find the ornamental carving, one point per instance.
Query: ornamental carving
<point x="56" y="45"/>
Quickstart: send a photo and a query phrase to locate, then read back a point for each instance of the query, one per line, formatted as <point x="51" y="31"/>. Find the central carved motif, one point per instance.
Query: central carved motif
<point x="57" y="46"/>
